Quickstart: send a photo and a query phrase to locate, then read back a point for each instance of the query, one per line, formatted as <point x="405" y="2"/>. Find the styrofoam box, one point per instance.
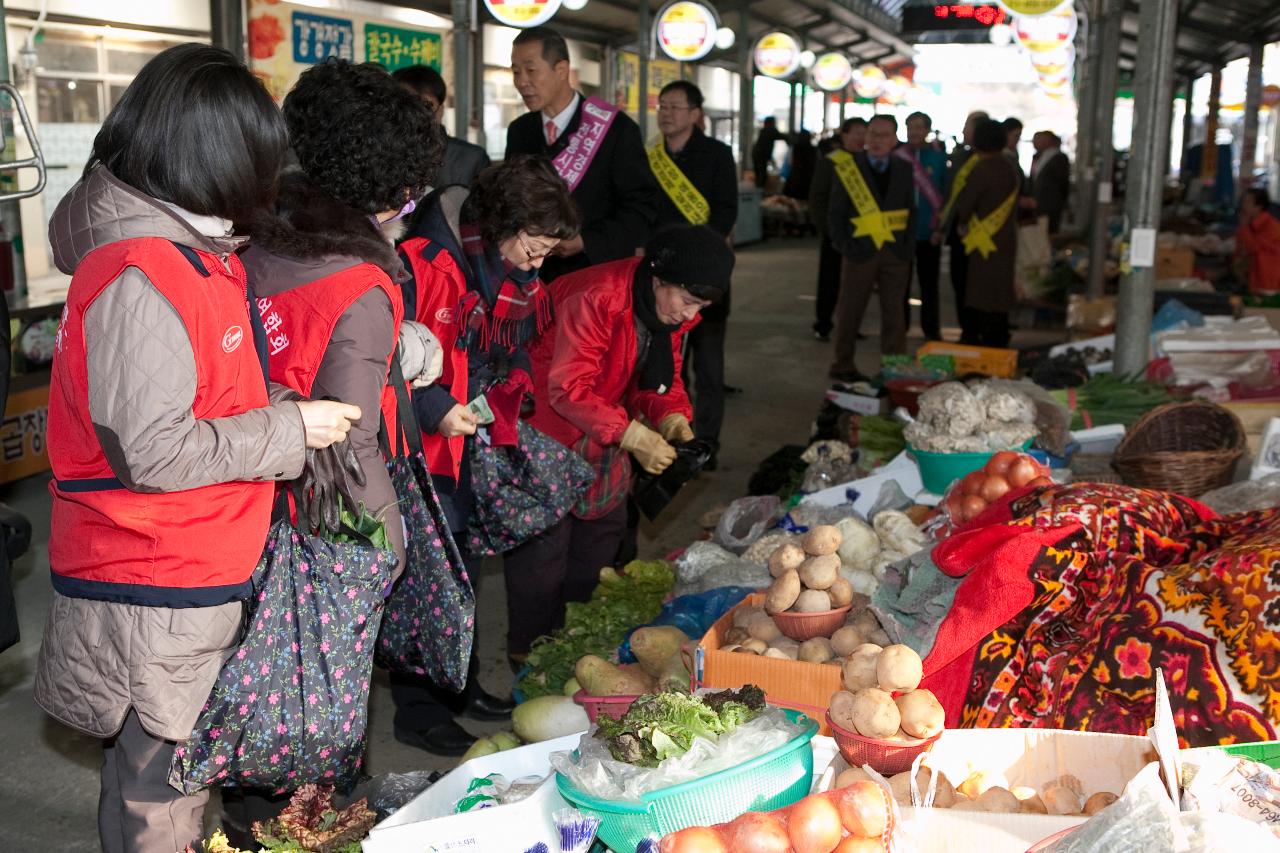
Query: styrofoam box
<point x="427" y="822"/>
<point x="1033" y="757"/>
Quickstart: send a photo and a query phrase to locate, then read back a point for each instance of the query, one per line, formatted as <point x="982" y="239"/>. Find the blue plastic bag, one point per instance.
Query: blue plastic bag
<point x="693" y="614"/>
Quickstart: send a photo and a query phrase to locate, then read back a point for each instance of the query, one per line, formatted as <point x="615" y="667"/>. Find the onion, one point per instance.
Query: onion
<point x="993" y="488"/>
<point x="1023" y="471"/>
<point x="1000" y="463"/>
<point x="814" y="825"/>
<point x="758" y="832"/>
<point x="971" y="506"/>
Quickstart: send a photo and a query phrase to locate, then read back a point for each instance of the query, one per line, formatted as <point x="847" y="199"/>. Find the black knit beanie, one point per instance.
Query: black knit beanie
<point x="693" y="257"/>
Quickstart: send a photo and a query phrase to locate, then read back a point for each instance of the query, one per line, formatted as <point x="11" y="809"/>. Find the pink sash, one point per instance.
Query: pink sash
<point x="572" y="163"/>
<point x="924" y="184"/>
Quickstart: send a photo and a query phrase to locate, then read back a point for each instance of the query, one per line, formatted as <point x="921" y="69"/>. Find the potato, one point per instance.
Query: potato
<point x="899" y="668"/>
<point x="979" y="781"/>
<point x="1098" y="802"/>
<point x="998" y="799"/>
<point x="777" y="653"/>
<point x="833" y="662"/>
<point x="730" y="647"/>
<point x="841" y="709"/>
<point x="1061" y="799"/>
<point x="944" y="795"/>
<point x="900" y="787"/>
<point x="841" y="592"/>
<point x="845" y="639"/>
<point x="1032" y="805"/>
<point x="736" y="635"/>
<point x="812" y="601"/>
<point x="821" y="540"/>
<point x="860" y="668"/>
<point x="787" y="646"/>
<point x="865" y="621"/>
<point x="783" y="593"/>
<point x="853" y="774"/>
<point x="879" y="637"/>
<point x="820" y="572"/>
<point x="875" y="714"/>
<point x="743" y="615"/>
<point x="922" y="714"/>
<point x="967" y="806"/>
<point x="600" y="677"/>
<point x="787" y="558"/>
<point x="655" y="645"/>
<point x="815" y="650"/>
<point x="743" y="650"/>
<point x="757" y="646"/>
<point x="762" y="627"/>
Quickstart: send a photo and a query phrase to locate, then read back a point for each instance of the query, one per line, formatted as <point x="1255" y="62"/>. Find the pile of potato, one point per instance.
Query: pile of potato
<point x="871" y="675"/>
<point x="808" y="575"/>
<point x="986" y="791"/>
<point x="755" y="632"/>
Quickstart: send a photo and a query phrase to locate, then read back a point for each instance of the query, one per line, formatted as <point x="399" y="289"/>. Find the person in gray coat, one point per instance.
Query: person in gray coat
<point x="1050" y="177"/>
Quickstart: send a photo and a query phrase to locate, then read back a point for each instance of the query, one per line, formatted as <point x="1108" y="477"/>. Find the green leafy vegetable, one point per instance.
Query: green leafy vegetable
<point x="1111" y="399"/>
<point x="663" y="725"/>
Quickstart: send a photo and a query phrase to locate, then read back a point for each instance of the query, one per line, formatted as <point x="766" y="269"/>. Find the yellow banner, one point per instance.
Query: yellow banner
<point x="962" y="177"/>
<point x="676" y="184"/>
<point x="981" y="234"/>
<point x="871" y="221"/>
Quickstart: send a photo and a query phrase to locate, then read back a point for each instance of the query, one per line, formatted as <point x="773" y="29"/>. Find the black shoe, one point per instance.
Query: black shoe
<point x="487" y="707"/>
<point x="441" y="739"/>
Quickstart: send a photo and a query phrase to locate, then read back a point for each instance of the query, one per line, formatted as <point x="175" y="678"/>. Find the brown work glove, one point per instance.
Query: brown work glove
<point x="675" y="428"/>
<point x="648" y="447"/>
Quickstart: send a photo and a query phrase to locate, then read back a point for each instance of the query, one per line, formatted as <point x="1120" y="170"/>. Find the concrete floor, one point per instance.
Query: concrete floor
<point x="49" y="774"/>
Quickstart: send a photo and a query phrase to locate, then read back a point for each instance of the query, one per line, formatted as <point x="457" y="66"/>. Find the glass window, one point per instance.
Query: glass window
<point x="69" y="101"/>
<point x="129" y="57"/>
<point x="62" y="51"/>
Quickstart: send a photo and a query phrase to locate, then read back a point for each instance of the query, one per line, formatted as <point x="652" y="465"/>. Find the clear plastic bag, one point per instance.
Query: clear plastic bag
<point x="388" y="792"/>
<point x="745" y="521"/>
<point x="595" y="772"/>
<point x="1244" y="497"/>
<point x="705" y="566"/>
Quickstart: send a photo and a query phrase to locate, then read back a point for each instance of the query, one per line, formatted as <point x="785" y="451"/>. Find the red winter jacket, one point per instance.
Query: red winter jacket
<point x="584" y="366"/>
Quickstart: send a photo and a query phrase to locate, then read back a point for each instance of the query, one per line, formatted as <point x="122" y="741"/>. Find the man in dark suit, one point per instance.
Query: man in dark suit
<point x="616" y="194"/>
<point x="1050" y="177"/>
<point x="707" y="166"/>
<point x="871" y="223"/>
<point x="462" y="160"/>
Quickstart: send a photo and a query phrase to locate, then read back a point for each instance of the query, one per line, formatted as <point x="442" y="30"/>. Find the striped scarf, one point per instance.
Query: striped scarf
<point x="505" y="308"/>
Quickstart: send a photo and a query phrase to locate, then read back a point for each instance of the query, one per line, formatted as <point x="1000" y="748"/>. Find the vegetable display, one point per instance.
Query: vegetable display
<point x="1004" y="472"/>
<point x="1111" y="399"/>
<point x="957" y="419"/>
<point x="988" y="791"/>
<point x="620" y="601"/>
<point x="882" y="698"/>
<point x="662" y="725"/>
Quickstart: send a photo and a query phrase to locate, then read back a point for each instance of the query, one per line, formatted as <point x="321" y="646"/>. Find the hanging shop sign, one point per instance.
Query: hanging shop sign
<point x="777" y="54"/>
<point x="896" y="89"/>
<point x="951" y="17"/>
<point x="1031" y="8"/>
<point x="1046" y="32"/>
<point x="685" y="30"/>
<point x="1054" y="61"/>
<point x="522" y="13"/>
<point x="832" y="72"/>
<point x="868" y="81"/>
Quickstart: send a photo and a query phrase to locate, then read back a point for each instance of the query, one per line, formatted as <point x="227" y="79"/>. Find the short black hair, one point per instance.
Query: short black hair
<point x="424" y="80"/>
<point x="1011" y="124"/>
<point x="884" y="117"/>
<point x="554" y="48"/>
<point x="770" y="120"/>
<point x="851" y="123"/>
<point x="362" y="137"/>
<point x="989" y="135"/>
<point x="1260" y="196"/>
<point x="521" y="193"/>
<point x="195" y="128"/>
<point x="924" y="117"/>
<point x="691" y="92"/>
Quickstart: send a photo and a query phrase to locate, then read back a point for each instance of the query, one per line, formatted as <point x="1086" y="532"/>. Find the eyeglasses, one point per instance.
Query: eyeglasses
<point x="528" y="254"/>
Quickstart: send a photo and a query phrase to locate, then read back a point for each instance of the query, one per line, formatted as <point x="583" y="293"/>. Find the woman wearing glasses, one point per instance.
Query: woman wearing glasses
<point x="324" y="267"/>
<point x="473" y="260"/>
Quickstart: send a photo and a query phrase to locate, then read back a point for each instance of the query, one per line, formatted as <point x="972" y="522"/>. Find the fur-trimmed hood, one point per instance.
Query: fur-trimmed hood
<point x="310" y="225"/>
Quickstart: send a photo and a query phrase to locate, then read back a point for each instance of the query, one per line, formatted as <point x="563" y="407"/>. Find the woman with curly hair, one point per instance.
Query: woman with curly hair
<point x="324" y="267"/>
<point x="473" y="261"/>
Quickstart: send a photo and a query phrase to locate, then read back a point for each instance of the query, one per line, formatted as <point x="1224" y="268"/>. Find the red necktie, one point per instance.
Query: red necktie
<point x="551" y="132"/>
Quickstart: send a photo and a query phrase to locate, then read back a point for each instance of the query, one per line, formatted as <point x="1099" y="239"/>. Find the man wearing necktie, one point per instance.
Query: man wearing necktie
<point x="617" y="195"/>
<point x="870" y="221"/>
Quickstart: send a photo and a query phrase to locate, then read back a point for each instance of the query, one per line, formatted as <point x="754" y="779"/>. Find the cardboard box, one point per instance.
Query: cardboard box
<point x="427" y="822"/>
<point x="1103" y="762"/>
<point x="794" y="684"/>
<point x="1175" y="262"/>
<point x="999" y="363"/>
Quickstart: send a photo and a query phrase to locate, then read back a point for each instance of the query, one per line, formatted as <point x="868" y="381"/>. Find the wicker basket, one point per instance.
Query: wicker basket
<point x="1187" y="448"/>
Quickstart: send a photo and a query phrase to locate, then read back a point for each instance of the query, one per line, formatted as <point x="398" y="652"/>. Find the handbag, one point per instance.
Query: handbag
<point x="290" y="705"/>
<point x="429" y="624"/>
<point x="522" y="490"/>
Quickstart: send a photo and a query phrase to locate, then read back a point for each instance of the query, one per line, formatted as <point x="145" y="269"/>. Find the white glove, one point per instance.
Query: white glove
<point x="421" y="356"/>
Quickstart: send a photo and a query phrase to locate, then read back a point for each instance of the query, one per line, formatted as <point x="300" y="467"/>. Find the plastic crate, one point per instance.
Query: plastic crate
<point x="778" y="778"/>
<point x="610" y="706"/>
<point x="989" y="361"/>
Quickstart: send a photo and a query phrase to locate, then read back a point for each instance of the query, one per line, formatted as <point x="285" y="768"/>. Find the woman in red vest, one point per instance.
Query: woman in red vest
<point x="164" y="435"/>
<point x="473" y="258"/>
<point x="606" y="381"/>
<point x="324" y="268"/>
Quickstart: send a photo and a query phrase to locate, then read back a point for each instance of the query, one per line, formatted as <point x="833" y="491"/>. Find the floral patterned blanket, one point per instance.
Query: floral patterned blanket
<point x="1122" y="581"/>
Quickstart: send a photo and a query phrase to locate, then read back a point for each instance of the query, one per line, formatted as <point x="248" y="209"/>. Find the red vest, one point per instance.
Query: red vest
<point x="300" y="322"/>
<point x="440" y="286"/>
<point x="179" y="549"/>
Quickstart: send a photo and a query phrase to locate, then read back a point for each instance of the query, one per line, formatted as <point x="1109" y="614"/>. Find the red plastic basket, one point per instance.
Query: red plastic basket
<point x="805" y="626"/>
<point x="887" y="757"/>
<point x="610" y="706"/>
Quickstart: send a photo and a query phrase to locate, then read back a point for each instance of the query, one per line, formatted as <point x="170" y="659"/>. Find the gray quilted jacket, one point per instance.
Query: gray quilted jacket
<point x="100" y="658"/>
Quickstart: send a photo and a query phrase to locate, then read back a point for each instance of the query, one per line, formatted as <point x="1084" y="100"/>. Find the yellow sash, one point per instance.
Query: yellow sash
<point x="962" y="177"/>
<point x="871" y="221"/>
<point x="979" y="237"/>
<point x="683" y="194"/>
